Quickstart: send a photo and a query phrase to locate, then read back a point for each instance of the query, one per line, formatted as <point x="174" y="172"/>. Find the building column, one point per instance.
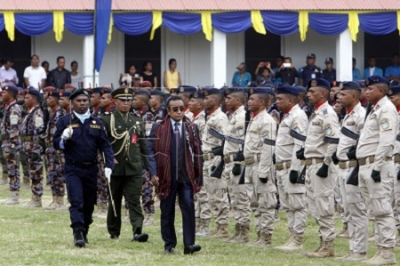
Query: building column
<point x="344" y="57"/>
<point x="218" y="59"/>
<point x="88" y="63"/>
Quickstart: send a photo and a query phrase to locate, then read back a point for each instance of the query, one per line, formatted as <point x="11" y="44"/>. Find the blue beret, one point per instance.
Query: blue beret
<point x="231" y="90"/>
<point x="350" y="85"/>
<point x="362" y="83"/>
<point x="197" y="95"/>
<point x="186" y="89"/>
<point x="261" y="90"/>
<point x="157" y="92"/>
<point x="301" y="89"/>
<point x="394" y="82"/>
<point x="65" y="94"/>
<point x="11" y="89"/>
<point x="394" y="90"/>
<point x="77" y="93"/>
<point x="141" y="92"/>
<point x="319" y="83"/>
<point x="34" y="92"/>
<point x="286" y="89"/>
<point x="375" y="79"/>
<point x="211" y="91"/>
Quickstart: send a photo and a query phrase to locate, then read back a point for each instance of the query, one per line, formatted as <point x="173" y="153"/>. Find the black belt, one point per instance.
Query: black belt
<point x="84" y="165"/>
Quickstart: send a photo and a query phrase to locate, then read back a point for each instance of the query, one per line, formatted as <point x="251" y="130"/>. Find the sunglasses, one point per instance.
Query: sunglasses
<point x="176" y="108"/>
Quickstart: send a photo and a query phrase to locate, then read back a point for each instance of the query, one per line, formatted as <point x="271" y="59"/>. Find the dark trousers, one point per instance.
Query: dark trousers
<point x="82" y="188"/>
<point x="131" y="187"/>
<point x="184" y="191"/>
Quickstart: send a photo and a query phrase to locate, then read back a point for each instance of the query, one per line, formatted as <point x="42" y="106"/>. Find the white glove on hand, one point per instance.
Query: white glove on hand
<point x="107" y="173"/>
<point x="67" y="133"/>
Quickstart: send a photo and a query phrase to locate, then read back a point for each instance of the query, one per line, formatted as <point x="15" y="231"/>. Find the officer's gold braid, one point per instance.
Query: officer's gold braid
<point x="125" y="136"/>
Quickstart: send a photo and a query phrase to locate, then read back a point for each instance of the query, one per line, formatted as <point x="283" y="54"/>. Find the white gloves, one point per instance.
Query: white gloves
<point x="67" y="133"/>
<point x="107" y="173"/>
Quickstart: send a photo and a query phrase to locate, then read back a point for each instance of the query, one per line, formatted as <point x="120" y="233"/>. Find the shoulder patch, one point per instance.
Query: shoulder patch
<point x="325" y="111"/>
<point x="385" y="124"/>
<point x="328" y="130"/>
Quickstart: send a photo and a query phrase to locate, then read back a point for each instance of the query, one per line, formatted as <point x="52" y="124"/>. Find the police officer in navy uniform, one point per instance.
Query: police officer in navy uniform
<point x="310" y="71"/>
<point x="80" y="136"/>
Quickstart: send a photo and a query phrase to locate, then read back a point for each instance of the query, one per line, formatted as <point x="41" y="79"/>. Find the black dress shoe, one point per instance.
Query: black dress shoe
<point x="79" y="240"/>
<point x="140" y="237"/>
<point x="169" y="251"/>
<point x="191" y="249"/>
<point x="113" y="237"/>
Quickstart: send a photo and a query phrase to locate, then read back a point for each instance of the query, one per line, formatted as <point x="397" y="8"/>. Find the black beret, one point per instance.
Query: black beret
<point x="186" y="89"/>
<point x="197" y="95"/>
<point x="34" y="92"/>
<point x="67" y="94"/>
<point x="350" y="85"/>
<point x="375" y="79"/>
<point x="394" y="90"/>
<point x="11" y="89"/>
<point x="319" y="83"/>
<point x="231" y="90"/>
<point x="286" y="89"/>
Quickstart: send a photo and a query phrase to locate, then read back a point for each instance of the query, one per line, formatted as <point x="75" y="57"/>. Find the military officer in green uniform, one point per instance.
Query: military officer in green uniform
<point x="127" y="136"/>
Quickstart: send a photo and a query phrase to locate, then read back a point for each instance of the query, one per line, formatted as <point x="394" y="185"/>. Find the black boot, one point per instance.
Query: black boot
<point x="85" y="233"/>
<point x="139" y="236"/>
<point x="191" y="249"/>
<point x="79" y="239"/>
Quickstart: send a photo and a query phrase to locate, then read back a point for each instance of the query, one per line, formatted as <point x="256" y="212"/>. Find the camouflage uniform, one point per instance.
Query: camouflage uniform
<point x="11" y="145"/>
<point x="102" y="186"/>
<point x="3" y="162"/>
<point x="22" y="158"/>
<point x="147" y="191"/>
<point x="55" y="159"/>
<point x="31" y="128"/>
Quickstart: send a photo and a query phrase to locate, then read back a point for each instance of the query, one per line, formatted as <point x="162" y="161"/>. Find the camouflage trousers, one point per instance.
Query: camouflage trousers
<point x="32" y="153"/>
<point x="11" y="155"/>
<point x="55" y="171"/>
<point x="147" y="193"/>
<point x="102" y="186"/>
<point x="3" y="162"/>
<point x="23" y="161"/>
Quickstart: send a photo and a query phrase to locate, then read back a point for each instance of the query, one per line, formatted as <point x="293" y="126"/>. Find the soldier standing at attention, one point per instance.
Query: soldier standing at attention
<point x="290" y="138"/>
<point x="22" y="158"/>
<point x="141" y="105"/>
<point x="156" y="102"/>
<point x="184" y="92"/>
<point x="11" y="143"/>
<point x="55" y="158"/>
<point x="259" y="173"/>
<point x="321" y="143"/>
<point x="212" y="147"/>
<point x="234" y="140"/>
<point x="374" y="151"/>
<point x="31" y="130"/>
<point x="95" y="98"/>
<point x="81" y="136"/>
<point x="355" y="211"/>
<point x="394" y="94"/>
<point x="102" y="187"/>
<point x="126" y="133"/>
<point x="4" y="178"/>
<point x="201" y="202"/>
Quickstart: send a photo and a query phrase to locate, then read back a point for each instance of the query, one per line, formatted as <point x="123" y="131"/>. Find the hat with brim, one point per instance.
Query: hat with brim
<point x="123" y="93"/>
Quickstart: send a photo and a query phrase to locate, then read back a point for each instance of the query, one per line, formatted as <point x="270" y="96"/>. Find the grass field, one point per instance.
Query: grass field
<point x="39" y="237"/>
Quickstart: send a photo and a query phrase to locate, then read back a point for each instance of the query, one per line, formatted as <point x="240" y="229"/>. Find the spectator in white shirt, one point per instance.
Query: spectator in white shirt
<point x="8" y="75"/>
<point x="76" y="78"/>
<point x="35" y="75"/>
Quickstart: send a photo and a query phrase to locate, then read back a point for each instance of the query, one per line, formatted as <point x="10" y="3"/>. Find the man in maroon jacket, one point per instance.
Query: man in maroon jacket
<point x="175" y="165"/>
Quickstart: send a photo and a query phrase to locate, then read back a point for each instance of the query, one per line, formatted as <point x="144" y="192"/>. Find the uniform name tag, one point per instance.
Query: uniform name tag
<point x="316" y="123"/>
<point x="13" y="120"/>
<point x="95" y="126"/>
<point x="74" y="125"/>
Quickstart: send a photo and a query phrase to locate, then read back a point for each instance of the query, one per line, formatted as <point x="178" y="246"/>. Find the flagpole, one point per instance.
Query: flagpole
<point x="94" y="44"/>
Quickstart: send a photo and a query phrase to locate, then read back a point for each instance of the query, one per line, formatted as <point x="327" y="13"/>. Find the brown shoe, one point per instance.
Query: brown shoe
<point x="326" y="251"/>
<point x="355" y="256"/>
<point x="244" y="234"/>
<point x="223" y="231"/>
<point x="237" y="233"/>
<point x="12" y="199"/>
<point x="385" y="256"/>
<point x="295" y="244"/>
<point x="35" y="202"/>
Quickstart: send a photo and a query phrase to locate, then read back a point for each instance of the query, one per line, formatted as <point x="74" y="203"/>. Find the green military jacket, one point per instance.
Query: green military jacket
<point x="127" y="137"/>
